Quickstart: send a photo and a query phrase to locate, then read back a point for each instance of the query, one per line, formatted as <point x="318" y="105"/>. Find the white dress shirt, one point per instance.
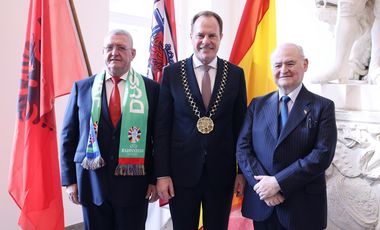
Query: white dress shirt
<point x="197" y="65"/>
<point x="293" y="96"/>
<point x="121" y="86"/>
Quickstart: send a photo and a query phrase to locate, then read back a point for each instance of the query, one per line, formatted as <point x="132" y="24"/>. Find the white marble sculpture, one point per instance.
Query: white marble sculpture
<point x="353" y="178"/>
<point x="357" y="27"/>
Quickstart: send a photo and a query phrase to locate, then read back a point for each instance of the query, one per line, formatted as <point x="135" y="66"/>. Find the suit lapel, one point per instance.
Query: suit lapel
<point x="195" y="88"/>
<point x="193" y="84"/>
<point x="269" y="109"/>
<point x="105" y="110"/>
<point x="218" y="81"/>
<point x="298" y="113"/>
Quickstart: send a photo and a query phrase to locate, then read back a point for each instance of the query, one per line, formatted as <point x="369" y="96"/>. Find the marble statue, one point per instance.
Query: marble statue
<point x="353" y="178"/>
<point x="357" y="41"/>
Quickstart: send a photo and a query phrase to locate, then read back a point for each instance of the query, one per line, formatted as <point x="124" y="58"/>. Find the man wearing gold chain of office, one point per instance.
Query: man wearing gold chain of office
<point x="201" y="107"/>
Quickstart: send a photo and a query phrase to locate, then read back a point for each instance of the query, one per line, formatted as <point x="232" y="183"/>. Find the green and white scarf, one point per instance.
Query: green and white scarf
<point x="133" y="127"/>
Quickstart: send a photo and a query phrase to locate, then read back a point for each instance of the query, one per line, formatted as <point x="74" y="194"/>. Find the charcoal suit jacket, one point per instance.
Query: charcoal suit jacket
<point x="297" y="157"/>
<point x="181" y="151"/>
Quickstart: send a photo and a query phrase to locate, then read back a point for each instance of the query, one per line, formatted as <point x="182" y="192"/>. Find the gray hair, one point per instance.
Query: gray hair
<point x="298" y="47"/>
<point x="119" y="32"/>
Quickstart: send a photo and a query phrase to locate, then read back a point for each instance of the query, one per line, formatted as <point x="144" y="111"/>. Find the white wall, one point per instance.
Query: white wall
<point x="296" y="22"/>
<point x="12" y="42"/>
<point x="230" y="12"/>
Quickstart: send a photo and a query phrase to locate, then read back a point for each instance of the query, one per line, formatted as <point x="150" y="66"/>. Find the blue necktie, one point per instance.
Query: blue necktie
<point x="284" y="110"/>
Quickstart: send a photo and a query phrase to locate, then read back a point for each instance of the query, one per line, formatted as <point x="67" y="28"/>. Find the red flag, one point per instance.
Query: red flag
<point x="52" y="60"/>
<point x="163" y="41"/>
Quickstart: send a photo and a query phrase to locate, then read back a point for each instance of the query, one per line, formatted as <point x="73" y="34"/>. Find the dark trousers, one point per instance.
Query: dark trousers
<point x="272" y="223"/>
<point x="110" y="217"/>
<point x="216" y="206"/>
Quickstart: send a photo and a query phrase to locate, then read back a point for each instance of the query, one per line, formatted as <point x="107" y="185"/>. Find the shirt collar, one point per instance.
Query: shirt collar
<point x="197" y="63"/>
<point x="293" y="95"/>
<point x="123" y="77"/>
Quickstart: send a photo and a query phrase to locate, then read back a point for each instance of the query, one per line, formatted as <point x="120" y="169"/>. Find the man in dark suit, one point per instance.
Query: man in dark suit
<point x="200" y="112"/>
<point x="284" y="149"/>
<point x="107" y="141"/>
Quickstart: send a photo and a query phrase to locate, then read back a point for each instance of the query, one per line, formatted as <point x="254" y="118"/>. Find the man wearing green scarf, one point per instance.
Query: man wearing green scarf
<point x="106" y="143"/>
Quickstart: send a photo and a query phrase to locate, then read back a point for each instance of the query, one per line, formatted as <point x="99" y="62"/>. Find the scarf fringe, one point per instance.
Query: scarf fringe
<point x="93" y="163"/>
<point x="130" y="170"/>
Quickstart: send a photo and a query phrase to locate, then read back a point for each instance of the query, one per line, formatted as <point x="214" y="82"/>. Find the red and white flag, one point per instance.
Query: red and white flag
<point x="163" y="41"/>
<point x="163" y="51"/>
<point x="53" y="59"/>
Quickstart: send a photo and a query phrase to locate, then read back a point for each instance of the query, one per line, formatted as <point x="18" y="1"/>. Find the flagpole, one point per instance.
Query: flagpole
<point x="77" y="27"/>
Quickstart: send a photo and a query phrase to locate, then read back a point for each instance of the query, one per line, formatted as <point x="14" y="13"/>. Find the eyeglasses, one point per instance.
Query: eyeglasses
<point x="119" y="48"/>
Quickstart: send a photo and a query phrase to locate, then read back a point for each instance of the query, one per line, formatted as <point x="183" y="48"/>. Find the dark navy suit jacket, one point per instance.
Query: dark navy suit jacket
<point x="297" y="157"/>
<point x="98" y="185"/>
<point x="181" y="151"/>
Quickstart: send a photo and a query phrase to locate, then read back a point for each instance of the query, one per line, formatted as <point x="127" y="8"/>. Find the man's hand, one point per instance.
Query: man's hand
<point x="239" y="185"/>
<point x="72" y="192"/>
<point x="165" y="188"/>
<point x="151" y="193"/>
<point x="274" y="200"/>
<point x="266" y="187"/>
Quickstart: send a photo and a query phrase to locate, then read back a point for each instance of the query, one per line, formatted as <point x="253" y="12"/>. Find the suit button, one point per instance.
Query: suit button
<point x="113" y="138"/>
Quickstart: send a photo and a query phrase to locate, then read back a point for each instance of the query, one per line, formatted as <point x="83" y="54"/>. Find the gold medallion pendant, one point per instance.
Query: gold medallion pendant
<point x="205" y="125"/>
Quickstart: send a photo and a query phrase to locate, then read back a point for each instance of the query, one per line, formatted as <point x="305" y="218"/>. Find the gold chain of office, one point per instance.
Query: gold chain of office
<point x="204" y="124"/>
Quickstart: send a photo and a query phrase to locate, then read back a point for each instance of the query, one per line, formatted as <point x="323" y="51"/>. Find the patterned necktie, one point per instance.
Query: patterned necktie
<point x="206" y="86"/>
<point x="284" y="110"/>
<point x="114" y="105"/>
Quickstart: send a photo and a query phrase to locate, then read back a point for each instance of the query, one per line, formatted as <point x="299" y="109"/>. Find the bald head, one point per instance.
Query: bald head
<point x="297" y="48"/>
